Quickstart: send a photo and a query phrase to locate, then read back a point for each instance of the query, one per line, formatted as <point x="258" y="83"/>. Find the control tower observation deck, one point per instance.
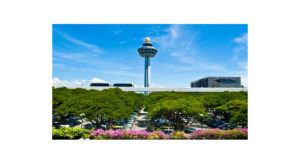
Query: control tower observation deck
<point x="147" y="51"/>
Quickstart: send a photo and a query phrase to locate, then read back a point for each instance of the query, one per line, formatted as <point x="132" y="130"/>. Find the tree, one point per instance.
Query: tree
<point x="110" y="105"/>
<point x="113" y="105"/>
<point x="211" y="101"/>
<point x="235" y="111"/>
<point x="239" y="119"/>
<point x="239" y="109"/>
<point x="177" y="110"/>
<point x="138" y="98"/>
<point x="62" y="102"/>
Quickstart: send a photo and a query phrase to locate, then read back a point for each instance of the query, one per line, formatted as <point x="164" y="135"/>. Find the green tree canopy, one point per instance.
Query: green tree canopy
<point x="177" y="110"/>
<point x="235" y="111"/>
<point x="112" y="105"/>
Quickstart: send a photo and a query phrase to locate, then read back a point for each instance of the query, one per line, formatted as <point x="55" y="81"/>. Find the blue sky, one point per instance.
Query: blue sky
<point x="100" y="52"/>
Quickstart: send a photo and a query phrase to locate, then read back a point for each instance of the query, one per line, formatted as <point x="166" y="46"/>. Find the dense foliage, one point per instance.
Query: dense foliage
<point x="111" y="105"/>
<point x="114" y="105"/>
<point x="69" y="133"/>
<point x="177" y="110"/>
<point x="180" y="108"/>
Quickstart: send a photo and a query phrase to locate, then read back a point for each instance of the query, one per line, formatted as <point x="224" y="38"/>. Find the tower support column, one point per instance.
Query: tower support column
<point x="147" y="73"/>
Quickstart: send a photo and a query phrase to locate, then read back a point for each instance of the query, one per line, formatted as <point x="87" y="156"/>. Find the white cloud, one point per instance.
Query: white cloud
<point x="241" y="48"/>
<point x="81" y="52"/>
<point x="239" y="54"/>
<point x="244" y="77"/>
<point x="97" y="80"/>
<point x="244" y="80"/>
<point x="174" y="29"/>
<point x="77" y="83"/>
<point x="170" y="39"/>
<point x="56" y="82"/>
<point x="57" y="65"/>
<point x="243" y="73"/>
<point x="137" y="85"/>
<point x="180" y="44"/>
<point x="122" y="42"/>
<point x="238" y="51"/>
<point x="80" y="57"/>
<point x="242" y="39"/>
<point x="91" y="47"/>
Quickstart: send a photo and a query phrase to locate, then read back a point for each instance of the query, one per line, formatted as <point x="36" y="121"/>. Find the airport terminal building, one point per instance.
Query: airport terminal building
<point x="209" y="82"/>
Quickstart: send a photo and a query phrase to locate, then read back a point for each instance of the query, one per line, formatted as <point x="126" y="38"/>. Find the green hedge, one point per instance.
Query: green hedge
<point x="70" y="133"/>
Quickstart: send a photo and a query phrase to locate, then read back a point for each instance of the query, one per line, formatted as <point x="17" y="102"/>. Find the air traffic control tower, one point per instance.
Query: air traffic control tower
<point x="147" y="51"/>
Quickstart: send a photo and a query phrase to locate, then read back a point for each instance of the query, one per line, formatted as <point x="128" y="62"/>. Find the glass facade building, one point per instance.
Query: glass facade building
<point x="223" y="82"/>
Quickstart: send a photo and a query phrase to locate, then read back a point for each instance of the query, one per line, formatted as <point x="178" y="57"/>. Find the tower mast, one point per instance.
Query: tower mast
<point x="147" y="51"/>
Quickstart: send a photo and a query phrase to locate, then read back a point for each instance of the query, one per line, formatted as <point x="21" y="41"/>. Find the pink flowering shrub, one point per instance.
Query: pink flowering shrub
<point x="220" y="134"/>
<point x="212" y="134"/>
<point x="118" y="134"/>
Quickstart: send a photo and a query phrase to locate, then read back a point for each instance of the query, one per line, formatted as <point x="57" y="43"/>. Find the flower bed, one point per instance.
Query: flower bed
<point x="212" y="134"/>
<point x="124" y="134"/>
<point x="220" y="134"/>
<point x="198" y="134"/>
